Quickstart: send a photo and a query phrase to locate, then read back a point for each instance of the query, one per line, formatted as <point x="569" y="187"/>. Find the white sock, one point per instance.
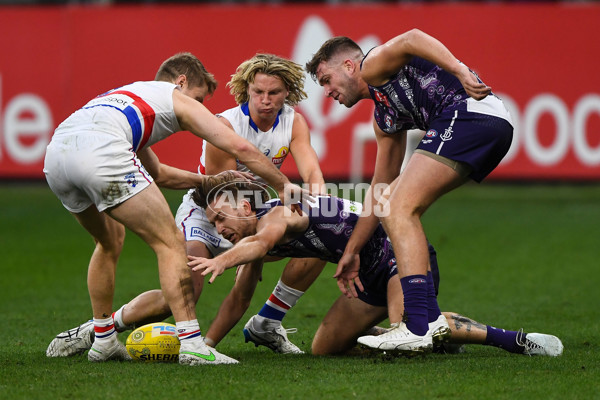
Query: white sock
<point x="118" y="318"/>
<point x="189" y="333"/>
<point x="279" y="303"/>
<point x="105" y="332"/>
<point x="287" y="294"/>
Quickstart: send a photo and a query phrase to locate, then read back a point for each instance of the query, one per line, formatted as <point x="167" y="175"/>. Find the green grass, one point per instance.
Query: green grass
<point x="512" y="256"/>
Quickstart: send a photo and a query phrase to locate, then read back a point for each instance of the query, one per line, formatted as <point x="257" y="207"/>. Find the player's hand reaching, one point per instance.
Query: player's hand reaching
<point x="206" y="266"/>
<point x="347" y="275"/>
<point x="293" y="196"/>
<point x="244" y="175"/>
<point x="234" y="175"/>
<point x="472" y="85"/>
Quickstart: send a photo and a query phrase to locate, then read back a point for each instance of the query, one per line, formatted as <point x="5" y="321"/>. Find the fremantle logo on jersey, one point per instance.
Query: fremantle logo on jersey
<point x="447" y="135"/>
<point x="140" y="115"/>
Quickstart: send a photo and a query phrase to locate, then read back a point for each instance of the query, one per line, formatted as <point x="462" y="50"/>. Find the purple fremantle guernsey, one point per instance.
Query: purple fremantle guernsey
<point x="417" y="94"/>
<point x="331" y="222"/>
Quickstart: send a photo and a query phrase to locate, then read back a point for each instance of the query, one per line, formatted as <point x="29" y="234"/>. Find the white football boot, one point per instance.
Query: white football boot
<point x="439" y="330"/>
<point x="540" y="344"/>
<point x="72" y="342"/>
<point x="270" y="333"/>
<point x="198" y="353"/>
<point x="114" y="350"/>
<point x="399" y="338"/>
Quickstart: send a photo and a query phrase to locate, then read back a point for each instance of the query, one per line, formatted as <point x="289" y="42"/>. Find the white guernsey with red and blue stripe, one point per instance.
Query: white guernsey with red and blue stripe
<point x="92" y="157"/>
<point x="141" y="112"/>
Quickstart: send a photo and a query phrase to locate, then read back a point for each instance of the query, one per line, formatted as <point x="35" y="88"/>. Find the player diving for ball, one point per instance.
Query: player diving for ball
<point x="266" y="88"/>
<point x="322" y="231"/>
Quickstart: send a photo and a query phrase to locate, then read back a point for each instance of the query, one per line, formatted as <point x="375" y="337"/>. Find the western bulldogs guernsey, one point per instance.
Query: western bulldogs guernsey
<point x="331" y="222"/>
<point x="274" y="144"/>
<point x="141" y="112"/>
<point x="419" y="92"/>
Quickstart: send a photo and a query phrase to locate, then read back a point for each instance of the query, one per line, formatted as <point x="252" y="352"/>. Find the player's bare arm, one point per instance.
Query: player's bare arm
<point x="165" y="175"/>
<point x="236" y="303"/>
<point x="218" y="160"/>
<point x="385" y="60"/>
<point x="390" y="155"/>
<point x="305" y="156"/>
<point x="196" y="118"/>
<point x="275" y="227"/>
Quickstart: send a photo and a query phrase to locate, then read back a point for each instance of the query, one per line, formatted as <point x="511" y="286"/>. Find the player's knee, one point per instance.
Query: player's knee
<point x="119" y="236"/>
<point x="325" y="348"/>
<point x="324" y="343"/>
<point x="179" y="238"/>
<point x="174" y="241"/>
<point x="158" y="300"/>
<point x="317" y="348"/>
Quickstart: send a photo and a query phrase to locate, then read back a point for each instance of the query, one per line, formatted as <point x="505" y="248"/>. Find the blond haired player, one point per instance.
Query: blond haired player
<point x="266" y="87"/>
<point x="96" y="165"/>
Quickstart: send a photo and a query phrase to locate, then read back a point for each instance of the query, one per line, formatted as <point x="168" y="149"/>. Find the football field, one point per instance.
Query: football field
<point x="511" y="256"/>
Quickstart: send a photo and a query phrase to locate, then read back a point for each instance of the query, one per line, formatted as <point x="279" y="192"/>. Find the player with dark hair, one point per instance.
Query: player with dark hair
<point x="415" y="83"/>
<point x="323" y="231"/>
<point x="100" y="165"/>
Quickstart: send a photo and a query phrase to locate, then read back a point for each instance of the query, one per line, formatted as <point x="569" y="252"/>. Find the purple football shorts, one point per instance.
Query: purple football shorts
<point x="479" y="140"/>
<point x="375" y="282"/>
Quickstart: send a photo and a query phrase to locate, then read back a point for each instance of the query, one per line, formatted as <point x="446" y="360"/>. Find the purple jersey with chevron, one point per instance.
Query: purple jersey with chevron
<point x="423" y="96"/>
<point x="418" y="93"/>
<point x="331" y="222"/>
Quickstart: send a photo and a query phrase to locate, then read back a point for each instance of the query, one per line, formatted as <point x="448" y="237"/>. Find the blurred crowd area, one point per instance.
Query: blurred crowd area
<point x="334" y="2"/>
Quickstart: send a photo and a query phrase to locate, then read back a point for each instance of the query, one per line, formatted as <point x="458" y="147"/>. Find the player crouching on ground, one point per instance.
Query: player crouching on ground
<point x="322" y="231"/>
<point x="100" y="164"/>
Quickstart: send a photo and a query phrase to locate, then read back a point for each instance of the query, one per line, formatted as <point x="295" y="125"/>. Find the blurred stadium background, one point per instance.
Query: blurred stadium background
<point x="515" y="254"/>
<point x="540" y="57"/>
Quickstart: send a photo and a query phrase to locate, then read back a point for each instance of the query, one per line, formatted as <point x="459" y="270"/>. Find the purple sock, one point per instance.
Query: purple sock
<point x="414" y="288"/>
<point x="503" y="339"/>
<point x="433" y="309"/>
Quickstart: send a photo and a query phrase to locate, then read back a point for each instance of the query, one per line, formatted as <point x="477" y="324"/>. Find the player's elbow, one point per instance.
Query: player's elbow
<point x="262" y="249"/>
<point x="408" y="39"/>
<point x="244" y="150"/>
<point x="414" y="31"/>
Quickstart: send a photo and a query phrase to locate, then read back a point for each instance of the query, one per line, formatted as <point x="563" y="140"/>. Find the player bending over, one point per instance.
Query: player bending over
<point x="415" y="82"/>
<point x="95" y="166"/>
<point x="322" y="231"/>
<point x="266" y="88"/>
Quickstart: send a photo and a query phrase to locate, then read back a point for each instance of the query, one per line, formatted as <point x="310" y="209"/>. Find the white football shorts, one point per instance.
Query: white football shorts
<point x="93" y="168"/>
<point x="192" y="221"/>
